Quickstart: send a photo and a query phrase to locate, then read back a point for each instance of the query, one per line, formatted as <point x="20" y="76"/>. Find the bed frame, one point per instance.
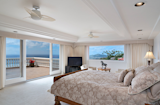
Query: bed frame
<point x="58" y="98"/>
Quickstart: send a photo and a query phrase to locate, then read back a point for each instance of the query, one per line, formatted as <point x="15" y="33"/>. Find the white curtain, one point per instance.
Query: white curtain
<point x="67" y="51"/>
<point x="2" y="61"/>
<point x="136" y="53"/>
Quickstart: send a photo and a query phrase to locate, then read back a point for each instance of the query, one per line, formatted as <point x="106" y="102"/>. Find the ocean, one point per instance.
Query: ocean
<point x="41" y="56"/>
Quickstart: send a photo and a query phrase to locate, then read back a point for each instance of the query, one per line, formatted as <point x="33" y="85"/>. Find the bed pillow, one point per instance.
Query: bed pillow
<point x="155" y="65"/>
<point x="128" y="78"/>
<point x="141" y="69"/>
<point x="155" y="89"/>
<point x="157" y="69"/>
<point x="122" y="75"/>
<point x="143" y="81"/>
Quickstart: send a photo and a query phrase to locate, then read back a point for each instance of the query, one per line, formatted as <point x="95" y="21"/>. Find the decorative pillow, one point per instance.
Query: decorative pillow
<point x="128" y="78"/>
<point x="155" y="89"/>
<point x="143" y="81"/>
<point x="157" y="69"/>
<point x="92" y="68"/>
<point x="155" y="65"/>
<point x="122" y="75"/>
<point x="141" y="69"/>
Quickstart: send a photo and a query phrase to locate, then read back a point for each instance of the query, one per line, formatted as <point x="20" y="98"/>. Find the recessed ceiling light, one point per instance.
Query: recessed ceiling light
<point x="15" y="31"/>
<point x="139" y="4"/>
<point x="140" y="30"/>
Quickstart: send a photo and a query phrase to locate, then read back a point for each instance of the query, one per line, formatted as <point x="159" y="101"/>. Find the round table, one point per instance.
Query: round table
<point x="107" y="69"/>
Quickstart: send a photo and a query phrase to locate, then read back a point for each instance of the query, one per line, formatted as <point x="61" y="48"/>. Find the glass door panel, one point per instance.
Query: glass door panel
<point x="14" y="50"/>
<point x="55" y="57"/>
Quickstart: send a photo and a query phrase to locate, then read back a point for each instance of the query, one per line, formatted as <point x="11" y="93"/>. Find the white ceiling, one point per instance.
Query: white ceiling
<point x="111" y="20"/>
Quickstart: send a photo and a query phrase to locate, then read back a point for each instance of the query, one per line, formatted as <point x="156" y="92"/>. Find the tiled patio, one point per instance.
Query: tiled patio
<point x="31" y="72"/>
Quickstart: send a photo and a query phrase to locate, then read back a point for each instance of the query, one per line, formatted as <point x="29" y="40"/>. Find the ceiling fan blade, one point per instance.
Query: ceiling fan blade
<point x="95" y="36"/>
<point x="27" y="17"/>
<point x="31" y="12"/>
<point x="47" y="18"/>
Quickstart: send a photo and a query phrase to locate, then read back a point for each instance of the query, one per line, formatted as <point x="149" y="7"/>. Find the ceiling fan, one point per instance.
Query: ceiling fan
<point x="92" y="36"/>
<point x="36" y="14"/>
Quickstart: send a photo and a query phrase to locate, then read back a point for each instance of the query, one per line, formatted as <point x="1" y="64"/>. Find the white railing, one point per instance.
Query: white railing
<point x="45" y="62"/>
<point x="12" y="62"/>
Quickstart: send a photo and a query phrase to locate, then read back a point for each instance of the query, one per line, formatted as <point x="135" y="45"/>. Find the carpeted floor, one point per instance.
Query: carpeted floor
<point x="28" y="93"/>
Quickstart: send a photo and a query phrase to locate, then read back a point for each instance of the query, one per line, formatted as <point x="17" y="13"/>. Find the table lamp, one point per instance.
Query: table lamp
<point x="149" y="55"/>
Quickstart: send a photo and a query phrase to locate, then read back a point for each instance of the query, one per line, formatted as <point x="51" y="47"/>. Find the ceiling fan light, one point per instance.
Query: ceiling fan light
<point x="139" y="4"/>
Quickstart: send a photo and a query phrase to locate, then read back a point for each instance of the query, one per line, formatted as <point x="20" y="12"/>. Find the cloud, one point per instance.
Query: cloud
<point x="31" y="44"/>
<point x="10" y="41"/>
<point x="44" y="44"/>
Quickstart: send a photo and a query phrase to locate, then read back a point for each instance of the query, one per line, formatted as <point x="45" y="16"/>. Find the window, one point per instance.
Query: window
<point x="115" y="52"/>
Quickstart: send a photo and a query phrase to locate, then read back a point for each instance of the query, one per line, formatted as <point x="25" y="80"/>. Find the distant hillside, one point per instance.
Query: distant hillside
<point x="97" y="56"/>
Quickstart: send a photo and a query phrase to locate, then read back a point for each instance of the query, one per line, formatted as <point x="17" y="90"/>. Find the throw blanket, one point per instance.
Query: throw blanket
<point x="92" y="87"/>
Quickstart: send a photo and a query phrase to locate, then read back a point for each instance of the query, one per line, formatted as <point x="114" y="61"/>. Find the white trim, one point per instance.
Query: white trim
<point x="150" y="42"/>
<point x="2" y="62"/>
<point x="155" y="25"/>
<point x="50" y="57"/>
<point x="60" y="58"/>
<point x="20" y="36"/>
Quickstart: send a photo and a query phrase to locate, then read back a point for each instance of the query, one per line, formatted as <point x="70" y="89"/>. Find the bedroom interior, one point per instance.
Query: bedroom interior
<point x="79" y="52"/>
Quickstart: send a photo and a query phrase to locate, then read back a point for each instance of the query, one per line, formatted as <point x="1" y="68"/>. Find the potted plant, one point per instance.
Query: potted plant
<point x="31" y="63"/>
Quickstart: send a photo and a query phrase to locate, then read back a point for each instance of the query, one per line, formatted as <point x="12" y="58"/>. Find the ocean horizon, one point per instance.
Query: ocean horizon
<point x="30" y="55"/>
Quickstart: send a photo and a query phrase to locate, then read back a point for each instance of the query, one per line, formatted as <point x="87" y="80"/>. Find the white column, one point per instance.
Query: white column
<point x="50" y="58"/>
<point x="2" y="61"/>
<point x="24" y="60"/>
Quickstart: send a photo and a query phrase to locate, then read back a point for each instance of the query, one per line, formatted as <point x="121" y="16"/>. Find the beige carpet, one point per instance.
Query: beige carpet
<point x="28" y="93"/>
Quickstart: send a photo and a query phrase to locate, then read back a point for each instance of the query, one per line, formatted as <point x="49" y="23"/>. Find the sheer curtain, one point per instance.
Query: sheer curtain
<point x="2" y="61"/>
<point x="67" y="51"/>
<point x="136" y="53"/>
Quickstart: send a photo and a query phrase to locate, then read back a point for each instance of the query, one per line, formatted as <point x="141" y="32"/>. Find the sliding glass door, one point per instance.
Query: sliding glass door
<point x="14" y="60"/>
<point x="54" y="59"/>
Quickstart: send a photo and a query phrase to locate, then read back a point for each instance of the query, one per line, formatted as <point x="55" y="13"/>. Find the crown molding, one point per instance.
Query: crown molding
<point x="150" y="42"/>
<point x="20" y="25"/>
<point x="154" y="27"/>
<point x="125" y="32"/>
<point x="20" y="36"/>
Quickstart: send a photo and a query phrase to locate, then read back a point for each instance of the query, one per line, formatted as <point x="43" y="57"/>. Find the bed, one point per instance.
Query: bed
<point x="90" y="87"/>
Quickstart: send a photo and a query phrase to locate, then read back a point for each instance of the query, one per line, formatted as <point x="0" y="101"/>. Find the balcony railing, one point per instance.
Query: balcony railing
<point x="45" y="62"/>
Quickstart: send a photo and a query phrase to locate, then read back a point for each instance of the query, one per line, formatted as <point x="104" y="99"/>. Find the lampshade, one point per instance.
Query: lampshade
<point x="149" y="55"/>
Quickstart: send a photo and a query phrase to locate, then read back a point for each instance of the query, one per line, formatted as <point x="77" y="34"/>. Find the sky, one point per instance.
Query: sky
<point x="99" y="49"/>
<point x="32" y="47"/>
<point x="42" y="48"/>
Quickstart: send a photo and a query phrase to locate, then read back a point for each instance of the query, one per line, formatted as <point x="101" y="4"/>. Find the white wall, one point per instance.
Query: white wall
<point x="114" y="65"/>
<point x="156" y="48"/>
